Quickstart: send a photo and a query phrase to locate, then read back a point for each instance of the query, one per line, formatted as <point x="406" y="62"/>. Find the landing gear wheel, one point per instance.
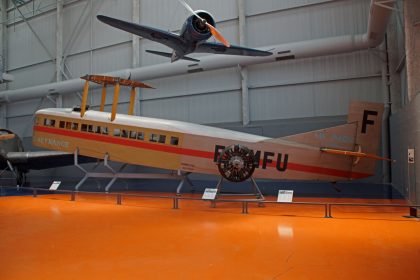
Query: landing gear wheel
<point x="236" y="163"/>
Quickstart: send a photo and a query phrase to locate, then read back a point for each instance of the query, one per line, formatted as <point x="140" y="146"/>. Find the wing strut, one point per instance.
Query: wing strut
<point x="116" y="82"/>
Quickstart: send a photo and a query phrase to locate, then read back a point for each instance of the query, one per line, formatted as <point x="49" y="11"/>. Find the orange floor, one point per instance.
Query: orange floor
<point x="50" y="237"/>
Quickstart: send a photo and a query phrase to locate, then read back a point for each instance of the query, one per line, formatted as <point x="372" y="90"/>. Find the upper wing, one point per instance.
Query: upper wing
<point x="169" y="39"/>
<point x="209" y="47"/>
<point x="43" y="159"/>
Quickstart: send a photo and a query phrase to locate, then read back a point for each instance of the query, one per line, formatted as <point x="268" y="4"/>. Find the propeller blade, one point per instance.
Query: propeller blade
<point x="216" y="34"/>
<point x="189" y="8"/>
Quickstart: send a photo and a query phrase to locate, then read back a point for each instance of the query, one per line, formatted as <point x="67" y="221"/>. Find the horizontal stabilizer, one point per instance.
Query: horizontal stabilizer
<point x="353" y="154"/>
<point x="165" y="54"/>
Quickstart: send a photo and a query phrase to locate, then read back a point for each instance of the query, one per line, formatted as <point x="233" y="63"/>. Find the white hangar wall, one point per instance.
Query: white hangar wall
<point x="310" y="93"/>
<point x="305" y="88"/>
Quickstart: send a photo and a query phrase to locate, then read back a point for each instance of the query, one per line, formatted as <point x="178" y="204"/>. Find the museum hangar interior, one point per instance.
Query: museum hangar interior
<point x="325" y="54"/>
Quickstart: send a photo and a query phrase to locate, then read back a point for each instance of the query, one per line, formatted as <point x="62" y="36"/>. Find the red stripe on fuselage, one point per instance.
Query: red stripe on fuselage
<point x="191" y="152"/>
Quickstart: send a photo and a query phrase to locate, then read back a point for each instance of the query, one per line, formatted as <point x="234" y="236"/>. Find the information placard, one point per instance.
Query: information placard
<point x="285" y="196"/>
<point x="209" y="194"/>
<point x="55" y="185"/>
<point x="410" y="155"/>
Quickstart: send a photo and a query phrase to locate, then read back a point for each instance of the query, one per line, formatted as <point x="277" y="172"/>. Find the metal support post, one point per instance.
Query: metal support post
<point x="73" y="196"/>
<point x="257" y="189"/>
<point x="329" y="211"/>
<point x="244" y="207"/>
<point x="119" y="199"/>
<point x="3" y="43"/>
<point x="218" y="186"/>
<point x="176" y="203"/>
<point x="257" y="192"/>
<point x="114" y="178"/>
<point x="136" y="53"/>
<point x="34" y="193"/>
<point x="326" y="212"/>
<point x="59" y="40"/>
<point x="184" y="180"/>
<point x="242" y="69"/>
<point x="3" y="115"/>
<point x="15" y="172"/>
<point x="76" y="163"/>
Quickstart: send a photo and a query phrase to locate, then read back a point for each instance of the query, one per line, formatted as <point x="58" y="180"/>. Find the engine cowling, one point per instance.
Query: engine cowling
<point x="236" y="163"/>
<point x="195" y="30"/>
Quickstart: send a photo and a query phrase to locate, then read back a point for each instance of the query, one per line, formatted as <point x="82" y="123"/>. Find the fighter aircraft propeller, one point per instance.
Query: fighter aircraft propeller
<point x="216" y="34"/>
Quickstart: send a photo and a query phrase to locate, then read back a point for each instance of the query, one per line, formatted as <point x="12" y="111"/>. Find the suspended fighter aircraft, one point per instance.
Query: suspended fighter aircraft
<point x="199" y="27"/>
<point x="13" y="157"/>
<point x="333" y="154"/>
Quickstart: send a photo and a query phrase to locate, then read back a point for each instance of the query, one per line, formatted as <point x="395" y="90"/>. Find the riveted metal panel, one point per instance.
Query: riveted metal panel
<point x="25" y="49"/>
<point x="103" y="34"/>
<point x="112" y="58"/>
<point x="312" y="99"/>
<point x="39" y="74"/>
<point x="194" y="84"/>
<point x="205" y="108"/>
<point x="333" y="18"/>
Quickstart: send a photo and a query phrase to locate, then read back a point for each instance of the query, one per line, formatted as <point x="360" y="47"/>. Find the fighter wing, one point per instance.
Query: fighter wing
<point x="169" y="39"/>
<point x="43" y="159"/>
<point x="209" y="47"/>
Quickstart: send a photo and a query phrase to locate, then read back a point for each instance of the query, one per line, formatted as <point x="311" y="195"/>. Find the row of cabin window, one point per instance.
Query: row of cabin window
<point x="154" y="137"/>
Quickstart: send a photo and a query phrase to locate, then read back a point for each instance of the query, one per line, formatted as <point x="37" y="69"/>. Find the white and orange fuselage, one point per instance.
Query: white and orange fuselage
<point x="188" y="147"/>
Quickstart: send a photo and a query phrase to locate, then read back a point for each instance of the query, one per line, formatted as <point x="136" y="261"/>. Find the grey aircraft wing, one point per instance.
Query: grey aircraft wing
<point x="169" y="39"/>
<point x="43" y="159"/>
<point x="209" y="47"/>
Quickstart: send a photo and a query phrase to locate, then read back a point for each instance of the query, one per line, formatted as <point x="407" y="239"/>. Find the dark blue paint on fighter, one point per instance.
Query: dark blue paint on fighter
<point x="193" y="37"/>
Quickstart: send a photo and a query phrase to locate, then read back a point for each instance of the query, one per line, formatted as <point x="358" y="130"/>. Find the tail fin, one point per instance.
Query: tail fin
<point x="359" y="139"/>
<point x="368" y="117"/>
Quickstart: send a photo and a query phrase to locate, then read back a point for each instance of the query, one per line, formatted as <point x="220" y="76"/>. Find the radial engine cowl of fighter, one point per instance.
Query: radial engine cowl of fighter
<point x="196" y="29"/>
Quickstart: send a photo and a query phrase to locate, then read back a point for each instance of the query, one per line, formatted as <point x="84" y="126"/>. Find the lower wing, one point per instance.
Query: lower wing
<point x="43" y="159"/>
<point x="209" y="47"/>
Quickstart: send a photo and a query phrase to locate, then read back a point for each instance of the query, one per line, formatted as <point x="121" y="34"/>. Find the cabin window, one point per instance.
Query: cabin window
<point x="117" y="132"/>
<point x="36" y="121"/>
<point x="162" y="139"/>
<point x="133" y="134"/>
<point x="68" y="125"/>
<point x="90" y="128"/>
<point x="62" y="124"/>
<point x="140" y="136"/>
<point x="174" y="141"/>
<point x="154" y="137"/>
<point x="124" y="133"/>
<point x="75" y="126"/>
<point x="98" y="130"/>
<point x="84" y="127"/>
<point x="105" y="130"/>
<point x="49" y="122"/>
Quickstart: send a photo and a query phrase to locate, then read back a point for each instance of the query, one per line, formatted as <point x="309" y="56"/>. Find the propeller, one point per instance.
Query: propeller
<point x="216" y="34"/>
